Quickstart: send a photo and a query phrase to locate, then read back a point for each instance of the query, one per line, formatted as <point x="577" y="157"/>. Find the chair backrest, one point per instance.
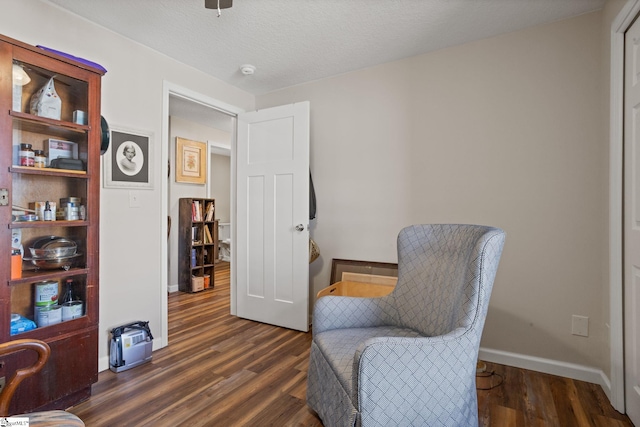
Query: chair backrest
<point x="42" y="350"/>
<point x="445" y="276"/>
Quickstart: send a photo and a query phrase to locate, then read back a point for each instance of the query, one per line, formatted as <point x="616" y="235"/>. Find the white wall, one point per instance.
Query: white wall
<point x="195" y="132"/>
<point x="506" y="131"/>
<point x="220" y="182"/>
<point x="131" y="265"/>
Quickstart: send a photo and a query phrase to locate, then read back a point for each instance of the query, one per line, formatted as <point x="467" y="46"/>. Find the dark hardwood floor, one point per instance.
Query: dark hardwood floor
<point x="219" y="370"/>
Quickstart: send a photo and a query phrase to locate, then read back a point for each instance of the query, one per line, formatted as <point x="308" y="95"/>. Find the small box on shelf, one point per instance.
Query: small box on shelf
<point x="58" y="149"/>
<point x="197" y="283"/>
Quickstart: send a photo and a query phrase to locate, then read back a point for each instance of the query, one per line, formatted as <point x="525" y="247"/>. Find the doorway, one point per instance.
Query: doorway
<point x="215" y="114"/>
<point x="274" y="132"/>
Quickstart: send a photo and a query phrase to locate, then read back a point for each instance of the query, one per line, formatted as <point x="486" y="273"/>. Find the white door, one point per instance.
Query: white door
<point x="632" y="222"/>
<point x="272" y="279"/>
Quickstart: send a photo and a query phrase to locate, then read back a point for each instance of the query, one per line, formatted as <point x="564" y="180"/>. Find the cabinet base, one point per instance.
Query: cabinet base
<point x="67" y="401"/>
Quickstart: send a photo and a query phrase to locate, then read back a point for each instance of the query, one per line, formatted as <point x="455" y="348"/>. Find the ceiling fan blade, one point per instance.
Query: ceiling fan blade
<point x="213" y="4"/>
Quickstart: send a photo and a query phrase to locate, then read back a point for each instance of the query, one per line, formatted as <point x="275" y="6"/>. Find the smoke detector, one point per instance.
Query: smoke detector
<point x="247" y="69"/>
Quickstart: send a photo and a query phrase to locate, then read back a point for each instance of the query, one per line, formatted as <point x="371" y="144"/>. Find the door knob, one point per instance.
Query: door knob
<point x="299" y="227"/>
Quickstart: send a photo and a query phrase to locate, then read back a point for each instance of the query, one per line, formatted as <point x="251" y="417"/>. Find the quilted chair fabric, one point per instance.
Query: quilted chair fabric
<point x="52" y="419"/>
<point x="408" y="358"/>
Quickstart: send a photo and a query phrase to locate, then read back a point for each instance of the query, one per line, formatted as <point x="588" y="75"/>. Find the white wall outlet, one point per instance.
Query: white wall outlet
<point x="580" y="325"/>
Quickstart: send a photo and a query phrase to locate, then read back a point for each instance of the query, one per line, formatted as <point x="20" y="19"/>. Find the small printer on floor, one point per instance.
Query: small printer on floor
<point x="131" y="345"/>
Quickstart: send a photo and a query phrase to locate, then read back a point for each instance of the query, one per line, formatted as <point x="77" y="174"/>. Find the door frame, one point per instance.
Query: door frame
<point x="622" y="22"/>
<point x="171" y="89"/>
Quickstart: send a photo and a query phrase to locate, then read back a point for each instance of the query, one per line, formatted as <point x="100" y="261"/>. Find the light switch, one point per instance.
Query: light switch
<point x="134" y="199"/>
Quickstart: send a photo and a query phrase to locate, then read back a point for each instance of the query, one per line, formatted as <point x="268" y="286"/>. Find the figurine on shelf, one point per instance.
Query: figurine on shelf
<point x="46" y="102"/>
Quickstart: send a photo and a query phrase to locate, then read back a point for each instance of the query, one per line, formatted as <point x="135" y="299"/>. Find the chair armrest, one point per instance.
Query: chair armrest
<point x="418" y="369"/>
<point x="338" y="312"/>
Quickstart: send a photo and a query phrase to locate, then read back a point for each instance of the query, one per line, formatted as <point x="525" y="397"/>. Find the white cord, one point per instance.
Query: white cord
<point x="219" y="9"/>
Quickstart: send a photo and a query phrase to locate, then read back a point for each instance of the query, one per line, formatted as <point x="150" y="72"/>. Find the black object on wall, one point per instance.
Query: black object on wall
<point x="312" y="199"/>
<point x="104" y="138"/>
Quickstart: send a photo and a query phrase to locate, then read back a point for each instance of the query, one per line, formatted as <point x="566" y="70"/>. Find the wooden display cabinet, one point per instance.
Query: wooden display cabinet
<point x="73" y="365"/>
<point x="197" y="244"/>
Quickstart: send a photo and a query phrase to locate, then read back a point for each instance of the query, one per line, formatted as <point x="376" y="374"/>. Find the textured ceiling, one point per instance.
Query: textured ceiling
<point x="296" y="41"/>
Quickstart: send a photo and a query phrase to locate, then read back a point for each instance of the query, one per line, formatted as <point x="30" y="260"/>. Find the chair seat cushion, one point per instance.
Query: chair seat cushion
<point x="339" y="347"/>
<point x="52" y="419"/>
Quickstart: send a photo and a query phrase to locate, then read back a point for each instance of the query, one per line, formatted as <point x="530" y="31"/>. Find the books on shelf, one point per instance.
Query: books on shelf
<point x="200" y="213"/>
<point x="207" y="235"/>
<point x="210" y="212"/>
<point x="196" y="211"/>
<point x="195" y="236"/>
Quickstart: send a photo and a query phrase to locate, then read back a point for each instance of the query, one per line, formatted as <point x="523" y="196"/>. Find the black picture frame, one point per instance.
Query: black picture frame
<point x="128" y="161"/>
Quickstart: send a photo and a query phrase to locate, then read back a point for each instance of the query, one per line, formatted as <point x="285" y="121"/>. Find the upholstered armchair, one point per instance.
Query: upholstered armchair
<point x="55" y="418"/>
<point x="408" y="358"/>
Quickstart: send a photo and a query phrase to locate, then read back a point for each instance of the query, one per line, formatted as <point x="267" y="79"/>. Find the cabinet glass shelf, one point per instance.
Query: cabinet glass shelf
<point x="29" y="122"/>
<point x="67" y="173"/>
<point x="31" y="276"/>
<point x="45" y="224"/>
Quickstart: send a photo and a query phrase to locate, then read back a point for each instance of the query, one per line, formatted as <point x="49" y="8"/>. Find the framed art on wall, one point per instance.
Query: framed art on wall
<point x="127" y="162"/>
<point x="191" y="161"/>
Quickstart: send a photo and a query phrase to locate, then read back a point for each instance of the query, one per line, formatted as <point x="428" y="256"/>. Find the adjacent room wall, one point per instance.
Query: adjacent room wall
<point x="220" y="181"/>
<point x="131" y="263"/>
<point x="506" y="131"/>
<point x="195" y="132"/>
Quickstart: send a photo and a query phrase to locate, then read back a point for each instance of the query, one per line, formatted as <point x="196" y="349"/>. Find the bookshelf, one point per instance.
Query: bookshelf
<point x="72" y="367"/>
<point x="197" y="244"/>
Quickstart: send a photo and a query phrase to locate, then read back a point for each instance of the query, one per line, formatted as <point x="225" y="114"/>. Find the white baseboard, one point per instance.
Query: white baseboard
<point x="103" y="363"/>
<point x="548" y="366"/>
<point x="172" y="288"/>
<point x="538" y="364"/>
